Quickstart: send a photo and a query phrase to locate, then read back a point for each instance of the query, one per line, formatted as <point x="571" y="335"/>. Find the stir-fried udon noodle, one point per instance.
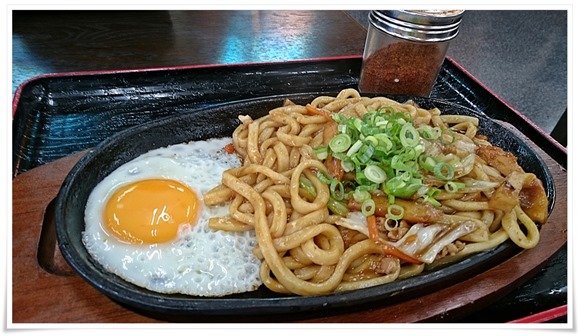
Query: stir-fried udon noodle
<point x="349" y="192"/>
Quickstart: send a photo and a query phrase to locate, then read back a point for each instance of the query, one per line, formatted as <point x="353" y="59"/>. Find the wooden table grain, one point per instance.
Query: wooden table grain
<point x="62" y="41"/>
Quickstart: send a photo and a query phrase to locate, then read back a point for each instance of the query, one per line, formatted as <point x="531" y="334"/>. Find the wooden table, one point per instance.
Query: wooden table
<point x="94" y="40"/>
<point x="45" y="289"/>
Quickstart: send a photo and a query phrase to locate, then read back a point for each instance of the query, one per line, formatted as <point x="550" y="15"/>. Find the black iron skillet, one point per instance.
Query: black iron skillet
<point x="220" y="121"/>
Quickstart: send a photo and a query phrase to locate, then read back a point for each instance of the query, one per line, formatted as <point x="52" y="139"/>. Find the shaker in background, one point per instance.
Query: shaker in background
<point x="405" y="49"/>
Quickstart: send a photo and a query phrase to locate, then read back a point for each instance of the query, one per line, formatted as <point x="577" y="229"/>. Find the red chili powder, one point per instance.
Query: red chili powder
<point x="402" y="68"/>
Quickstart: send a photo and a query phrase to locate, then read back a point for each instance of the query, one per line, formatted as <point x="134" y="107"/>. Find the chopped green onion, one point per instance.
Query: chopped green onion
<point x="339" y="143"/>
<point x="419" y="149"/>
<point x="372" y="140"/>
<point x="367" y="154"/>
<point x="408" y="135"/>
<point x="340" y="156"/>
<point x="389" y="227"/>
<point x="400" y="166"/>
<point x="408" y="154"/>
<point x="400" y="187"/>
<point x="447" y="136"/>
<point x="324" y="177"/>
<point x="453" y="187"/>
<point x="375" y="174"/>
<point x="347" y="165"/>
<point x="443" y="171"/>
<point x="337" y="207"/>
<point x="383" y="149"/>
<point x="357" y="123"/>
<point x="431" y="195"/>
<point x="368" y="187"/>
<point x="432" y="201"/>
<point x="321" y="152"/>
<point x="355" y="147"/>
<point x="395" y="211"/>
<point x="368" y="207"/>
<point x="337" y="194"/>
<point x="360" y="195"/>
<point x="307" y="185"/>
<point x="387" y="109"/>
<point x="384" y="140"/>
<point x="427" y="162"/>
<point x="433" y="192"/>
<point x="430" y="133"/>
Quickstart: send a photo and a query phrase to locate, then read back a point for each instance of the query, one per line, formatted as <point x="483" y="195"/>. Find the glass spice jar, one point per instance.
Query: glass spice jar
<point x="405" y="49"/>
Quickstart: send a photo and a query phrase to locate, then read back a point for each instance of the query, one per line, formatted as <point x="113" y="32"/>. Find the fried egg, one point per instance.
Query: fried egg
<point x="146" y="222"/>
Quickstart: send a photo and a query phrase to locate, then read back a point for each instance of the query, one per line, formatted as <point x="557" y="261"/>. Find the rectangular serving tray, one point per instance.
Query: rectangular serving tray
<point x="57" y="115"/>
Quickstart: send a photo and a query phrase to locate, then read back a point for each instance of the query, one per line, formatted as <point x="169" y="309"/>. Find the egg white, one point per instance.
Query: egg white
<point x="200" y="261"/>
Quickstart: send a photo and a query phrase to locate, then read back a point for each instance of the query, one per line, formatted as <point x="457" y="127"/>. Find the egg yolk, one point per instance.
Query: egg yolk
<point x="150" y="211"/>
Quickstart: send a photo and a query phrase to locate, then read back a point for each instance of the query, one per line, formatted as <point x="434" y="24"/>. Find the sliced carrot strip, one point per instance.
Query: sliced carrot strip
<point x="373" y="229"/>
<point x="230" y="149"/>
<point x="387" y="248"/>
<point x="392" y="250"/>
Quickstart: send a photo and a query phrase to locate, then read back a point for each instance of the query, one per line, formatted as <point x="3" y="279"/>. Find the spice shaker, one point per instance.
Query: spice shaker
<point x="405" y="49"/>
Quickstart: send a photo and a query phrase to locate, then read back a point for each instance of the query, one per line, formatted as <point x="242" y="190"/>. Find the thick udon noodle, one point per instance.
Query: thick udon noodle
<point x="303" y="250"/>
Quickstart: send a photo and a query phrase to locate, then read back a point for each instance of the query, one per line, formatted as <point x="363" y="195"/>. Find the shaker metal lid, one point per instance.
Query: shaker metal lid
<point x="418" y="25"/>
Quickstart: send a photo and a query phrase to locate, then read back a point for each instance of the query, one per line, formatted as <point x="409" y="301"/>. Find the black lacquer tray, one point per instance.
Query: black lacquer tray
<point x="57" y="115"/>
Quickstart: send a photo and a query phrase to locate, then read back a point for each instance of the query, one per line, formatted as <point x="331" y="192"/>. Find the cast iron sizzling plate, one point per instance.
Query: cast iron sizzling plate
<point x="220" y="121"/>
